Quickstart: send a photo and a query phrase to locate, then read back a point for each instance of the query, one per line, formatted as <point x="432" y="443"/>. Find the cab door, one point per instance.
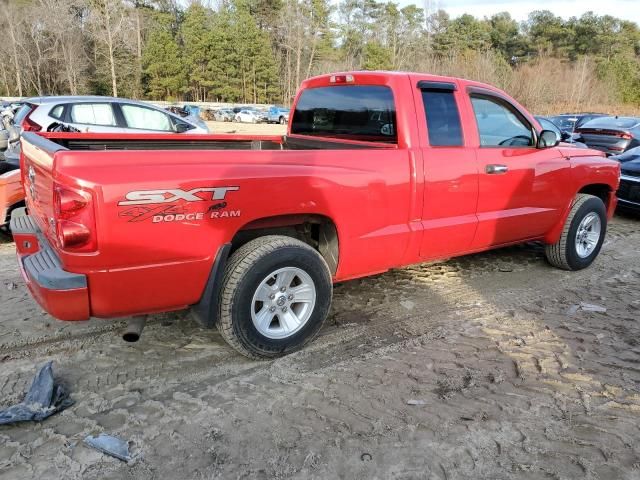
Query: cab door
<point x="449" y="219"/>
<point x="522" y="188"/>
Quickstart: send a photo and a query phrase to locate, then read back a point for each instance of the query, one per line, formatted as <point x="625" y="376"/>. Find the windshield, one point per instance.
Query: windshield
<point x="564" y="122"/>
<point x="355" y="112"/>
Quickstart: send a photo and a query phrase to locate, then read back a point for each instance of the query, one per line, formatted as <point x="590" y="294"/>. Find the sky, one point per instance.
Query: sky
<point x="519" y="9"/>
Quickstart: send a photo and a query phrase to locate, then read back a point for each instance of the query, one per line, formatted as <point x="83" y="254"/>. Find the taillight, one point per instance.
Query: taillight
<point x="74" y="218"/>
<point x="29" y="125"/>
<point x="624" y="136"/>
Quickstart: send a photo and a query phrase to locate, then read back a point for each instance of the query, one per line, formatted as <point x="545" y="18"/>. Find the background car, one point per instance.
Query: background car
<point x="177" y="110"/>
<point x="224" y="115"/>
<point x="569" y="122"/>
<point x="563" y="136"/>
<point x="277" y="114"/>
<point x="193" y="110"/>
<point x="611" y="135"/>
<point x="208" y="114"/>
<point x="629" y="190"/>
<point x="97" y="114"/>
<point x="247" y="116"/>
<point x="4" y="139"/>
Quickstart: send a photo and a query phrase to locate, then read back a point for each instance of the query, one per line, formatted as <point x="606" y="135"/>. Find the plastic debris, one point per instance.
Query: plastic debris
<point x="110" y="445"/>
<point x="588" y="307"/>
<point x="408" y="304"/>
<point x="43" y="399"/>
<point x="573" y="309"/>
<point x="416" y="402"/>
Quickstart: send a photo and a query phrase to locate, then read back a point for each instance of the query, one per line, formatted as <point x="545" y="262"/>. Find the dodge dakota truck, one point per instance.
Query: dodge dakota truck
<point x="378" y="170"/>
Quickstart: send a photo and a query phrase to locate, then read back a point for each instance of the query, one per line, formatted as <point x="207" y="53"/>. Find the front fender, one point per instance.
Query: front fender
<point x="590" y="174"/>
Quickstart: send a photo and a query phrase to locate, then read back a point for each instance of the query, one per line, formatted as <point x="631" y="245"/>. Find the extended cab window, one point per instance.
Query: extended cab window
<point x="499" y="124"/>
<point x="93" y="114"/>
<point x="355" y="112"/>
<point x="443" y="119"/>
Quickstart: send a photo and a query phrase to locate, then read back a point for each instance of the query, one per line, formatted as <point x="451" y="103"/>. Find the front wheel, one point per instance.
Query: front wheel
<point x="276" y="294"/>
<point x="282" y="121"/>
<point x="582" y="235"/>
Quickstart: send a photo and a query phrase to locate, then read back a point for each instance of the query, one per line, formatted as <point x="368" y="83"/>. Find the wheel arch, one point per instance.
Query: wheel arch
<point x="601" y="190"/>
<point x="317" y="230"/>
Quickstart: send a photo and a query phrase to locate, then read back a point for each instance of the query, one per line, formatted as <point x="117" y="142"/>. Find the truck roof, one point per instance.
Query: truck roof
<point x="390" y="73"/>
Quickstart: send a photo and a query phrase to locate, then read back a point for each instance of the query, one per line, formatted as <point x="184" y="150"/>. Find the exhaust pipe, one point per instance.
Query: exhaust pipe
<point x="134" y="328"/>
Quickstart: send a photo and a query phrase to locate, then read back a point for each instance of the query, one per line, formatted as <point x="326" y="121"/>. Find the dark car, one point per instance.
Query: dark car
<point x="629" y="190"/>
<point x="570" y="122"/>
<point x="611" y="135"/>
<point x="563" y="136"/>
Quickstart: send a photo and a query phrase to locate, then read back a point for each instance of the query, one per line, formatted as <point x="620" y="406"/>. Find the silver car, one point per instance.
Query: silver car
<point x="99" y="115"/>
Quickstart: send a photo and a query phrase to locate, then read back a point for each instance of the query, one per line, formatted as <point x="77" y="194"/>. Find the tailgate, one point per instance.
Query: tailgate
<point x="37" y="164"/>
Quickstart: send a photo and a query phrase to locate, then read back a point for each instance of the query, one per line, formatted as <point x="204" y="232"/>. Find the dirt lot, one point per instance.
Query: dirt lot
<point x="247" y="128"/>
<point x="506" y="377"/>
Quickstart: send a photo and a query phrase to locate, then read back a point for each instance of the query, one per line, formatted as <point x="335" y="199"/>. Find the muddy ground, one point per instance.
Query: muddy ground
<point x="476" y="368"/>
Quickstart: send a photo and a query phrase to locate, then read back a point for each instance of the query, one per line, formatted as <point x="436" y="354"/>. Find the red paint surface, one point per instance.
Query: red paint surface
<point x="392" y="206"/>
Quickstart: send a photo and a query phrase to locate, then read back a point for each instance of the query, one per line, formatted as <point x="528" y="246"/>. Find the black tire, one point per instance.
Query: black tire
<point x="282" y="121"/>
<point x="246" y="269"/>
<point x="564" y="254"/>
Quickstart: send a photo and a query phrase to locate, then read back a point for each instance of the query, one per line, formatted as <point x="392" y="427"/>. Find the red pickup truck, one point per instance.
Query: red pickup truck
<point x="378" y="170"/>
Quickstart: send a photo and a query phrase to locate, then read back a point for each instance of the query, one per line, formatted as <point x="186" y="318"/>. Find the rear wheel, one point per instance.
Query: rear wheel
<point x="282" y="121"/>
<point x="582" y="235"/>
<point x="276" y="294"/>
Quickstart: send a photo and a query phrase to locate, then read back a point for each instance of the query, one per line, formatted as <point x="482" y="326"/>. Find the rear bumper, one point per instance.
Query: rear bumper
<point x="64" y="295"/>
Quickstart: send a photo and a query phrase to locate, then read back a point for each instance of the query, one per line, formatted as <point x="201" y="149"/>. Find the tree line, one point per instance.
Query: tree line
<point x="260" y="50"/>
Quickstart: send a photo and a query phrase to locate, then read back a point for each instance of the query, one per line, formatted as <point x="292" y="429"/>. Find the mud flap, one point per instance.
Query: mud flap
<point x="205" y="311"/>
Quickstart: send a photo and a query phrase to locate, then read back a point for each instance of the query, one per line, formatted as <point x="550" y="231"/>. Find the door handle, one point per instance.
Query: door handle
<point x="496" y="169"/>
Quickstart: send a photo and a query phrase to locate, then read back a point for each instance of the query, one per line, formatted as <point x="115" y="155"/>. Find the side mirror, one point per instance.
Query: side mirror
<point x="182" y="127"/>
<point x="387" y="129"/>
<point x="548" y="138"/>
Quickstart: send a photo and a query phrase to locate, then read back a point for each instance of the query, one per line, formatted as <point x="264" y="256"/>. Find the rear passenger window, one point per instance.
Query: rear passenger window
<point x="93" y="114"/>
<point x="146" y="118"/>
<point x="443" y="119"/>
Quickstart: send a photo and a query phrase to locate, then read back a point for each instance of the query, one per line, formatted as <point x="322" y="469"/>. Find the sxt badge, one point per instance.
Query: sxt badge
<point x="144" y="197"/>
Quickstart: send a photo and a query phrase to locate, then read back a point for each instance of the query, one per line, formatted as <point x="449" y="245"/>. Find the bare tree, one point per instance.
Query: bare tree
<point x="110" y="24"/>
<point x="13" y="20"/>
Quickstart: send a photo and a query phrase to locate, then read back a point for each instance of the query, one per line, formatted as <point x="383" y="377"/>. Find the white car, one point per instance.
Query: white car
<point x="248" y="116"/>
<point x="99" y="115"/>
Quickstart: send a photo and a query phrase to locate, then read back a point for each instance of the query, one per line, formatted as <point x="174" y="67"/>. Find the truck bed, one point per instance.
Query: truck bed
<point x="106" y="141"/>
